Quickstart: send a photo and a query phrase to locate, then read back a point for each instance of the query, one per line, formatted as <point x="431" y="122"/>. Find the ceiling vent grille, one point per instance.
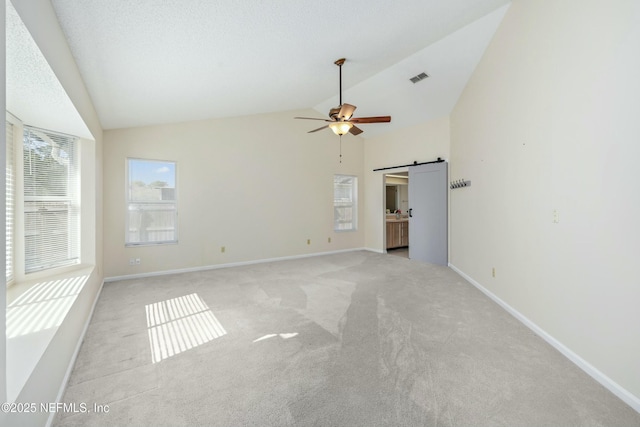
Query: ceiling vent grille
<point x="421" y="76"/>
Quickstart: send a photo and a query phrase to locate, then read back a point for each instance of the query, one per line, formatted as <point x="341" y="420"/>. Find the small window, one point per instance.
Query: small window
<point x="152" y="209"/>
<point x="345" y="203"/>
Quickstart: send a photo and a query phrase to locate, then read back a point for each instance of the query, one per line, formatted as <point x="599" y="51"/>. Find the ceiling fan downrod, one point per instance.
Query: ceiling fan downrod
<point x="339" y="63"/>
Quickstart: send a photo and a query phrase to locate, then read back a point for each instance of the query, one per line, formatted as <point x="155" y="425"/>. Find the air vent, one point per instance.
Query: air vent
<point x="421" y="76"/>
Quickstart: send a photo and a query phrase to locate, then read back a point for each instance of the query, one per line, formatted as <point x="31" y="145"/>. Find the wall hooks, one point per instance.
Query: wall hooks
<point x="459" y="183"/>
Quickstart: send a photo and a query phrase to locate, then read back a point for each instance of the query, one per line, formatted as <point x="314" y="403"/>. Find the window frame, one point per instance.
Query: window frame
<point x="129" y="202"/>
<point x="352" y="203"/>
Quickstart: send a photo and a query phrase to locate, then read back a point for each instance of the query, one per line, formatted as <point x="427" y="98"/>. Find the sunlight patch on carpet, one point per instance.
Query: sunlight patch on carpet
<point x="283" y="336"/>
<point x="180" y="324"/>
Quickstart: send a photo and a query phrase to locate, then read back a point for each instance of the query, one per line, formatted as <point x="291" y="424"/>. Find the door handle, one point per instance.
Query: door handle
<point x="410" y="216"/>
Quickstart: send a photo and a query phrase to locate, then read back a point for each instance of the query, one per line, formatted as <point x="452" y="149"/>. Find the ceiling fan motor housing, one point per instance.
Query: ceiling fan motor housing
<point x="333" y="113"/>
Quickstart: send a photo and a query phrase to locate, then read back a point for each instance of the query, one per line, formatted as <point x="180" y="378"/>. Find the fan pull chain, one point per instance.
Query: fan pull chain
<point x="340" y="148"/>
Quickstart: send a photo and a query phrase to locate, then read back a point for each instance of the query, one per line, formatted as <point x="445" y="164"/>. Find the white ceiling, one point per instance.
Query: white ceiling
<point x="34" y="94"/>
<point x="147" y="62"/>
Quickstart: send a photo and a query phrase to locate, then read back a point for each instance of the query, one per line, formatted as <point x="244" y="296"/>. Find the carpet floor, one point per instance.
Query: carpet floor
<point x="353" y="339"/>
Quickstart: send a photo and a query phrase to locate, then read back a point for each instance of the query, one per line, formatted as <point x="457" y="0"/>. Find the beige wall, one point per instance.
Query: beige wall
<point x="549" y="121"/>
<point x="421" y="143"/>
<point x="258" y="185"/>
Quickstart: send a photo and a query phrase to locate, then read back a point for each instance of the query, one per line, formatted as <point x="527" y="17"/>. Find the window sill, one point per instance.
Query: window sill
<point x="35" y="310"/>
<point x="50" y="273"/>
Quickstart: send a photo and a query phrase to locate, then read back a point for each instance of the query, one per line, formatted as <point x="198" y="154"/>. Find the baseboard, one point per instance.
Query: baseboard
<point x="615" y="388"/>
<point x="227" y="265"/>
<point x="378" y="251"/>
<point x="67" y="375"/>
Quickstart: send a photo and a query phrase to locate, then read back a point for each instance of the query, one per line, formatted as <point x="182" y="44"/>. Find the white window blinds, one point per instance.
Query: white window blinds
<point x="10" y="200"/>
<point x="152" y="208"/>
<point x="51" y="200"/>
<point x="345" y="203"/>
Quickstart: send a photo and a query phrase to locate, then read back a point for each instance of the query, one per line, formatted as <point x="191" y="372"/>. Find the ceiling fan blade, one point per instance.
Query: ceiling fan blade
<point x="378" y="119"/>
<point x="355" y="130"/>
<point x="346" y="111"/>
<point x="311" y="118"/>
<point x="316" y="130"/>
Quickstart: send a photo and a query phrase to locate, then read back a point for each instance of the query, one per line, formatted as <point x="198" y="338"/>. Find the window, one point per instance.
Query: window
<point x="345" y="203"/>
<point x="51" y="200"/>
<point x="10" y="200"/>
<point x="151" y="202"/>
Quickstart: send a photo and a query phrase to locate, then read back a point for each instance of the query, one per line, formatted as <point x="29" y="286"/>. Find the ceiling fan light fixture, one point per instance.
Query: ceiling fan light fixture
<point x="340" y="128"/>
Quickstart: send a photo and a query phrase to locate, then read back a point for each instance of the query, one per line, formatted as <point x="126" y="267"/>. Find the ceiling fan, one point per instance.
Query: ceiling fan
<point x="341" y="120"/>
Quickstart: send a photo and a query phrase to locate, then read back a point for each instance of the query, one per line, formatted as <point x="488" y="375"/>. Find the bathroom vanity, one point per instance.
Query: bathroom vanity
<point x="397" y="232"/>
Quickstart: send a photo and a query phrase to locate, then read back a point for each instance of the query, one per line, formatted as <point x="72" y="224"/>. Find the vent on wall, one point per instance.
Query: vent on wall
<point x="421" y="76"/>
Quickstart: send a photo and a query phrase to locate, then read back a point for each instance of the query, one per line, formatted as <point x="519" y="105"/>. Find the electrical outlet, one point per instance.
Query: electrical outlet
<point x="556" y="216"/>
<point x="132" y="261"/>
<point x="493" y="272"/>
<point x="308" y="241"/>
<point x="137" y="261"/>
<point x="222" y="249"/>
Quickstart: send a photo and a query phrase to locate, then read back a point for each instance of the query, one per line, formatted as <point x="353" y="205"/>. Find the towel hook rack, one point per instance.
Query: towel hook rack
<point x="459" y="183"/>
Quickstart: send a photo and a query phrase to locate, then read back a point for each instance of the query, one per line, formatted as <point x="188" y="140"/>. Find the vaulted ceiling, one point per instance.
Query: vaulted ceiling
<point x="147" y="62"/>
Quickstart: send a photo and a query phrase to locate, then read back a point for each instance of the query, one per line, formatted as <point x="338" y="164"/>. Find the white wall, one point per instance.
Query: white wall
<point x="549" y="121"/>
<point x="49" y="374"/>
<point x="421" y="143"/>
<point x="258" y="185"/>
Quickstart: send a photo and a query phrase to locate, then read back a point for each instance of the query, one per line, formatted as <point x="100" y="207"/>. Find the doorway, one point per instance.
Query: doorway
<point x="423" y="230"/>
<point x="396" y="214"/>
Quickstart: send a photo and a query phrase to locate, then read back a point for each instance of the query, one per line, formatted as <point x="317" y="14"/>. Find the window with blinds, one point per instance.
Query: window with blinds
<point x="51" y="200"/>
<point x="10" y="188"/>
<point x="345" y="203"/>
<point x="152" y="207"/>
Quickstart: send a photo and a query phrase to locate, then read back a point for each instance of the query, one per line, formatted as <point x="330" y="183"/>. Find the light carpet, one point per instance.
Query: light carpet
<point x="353" y="339"/>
